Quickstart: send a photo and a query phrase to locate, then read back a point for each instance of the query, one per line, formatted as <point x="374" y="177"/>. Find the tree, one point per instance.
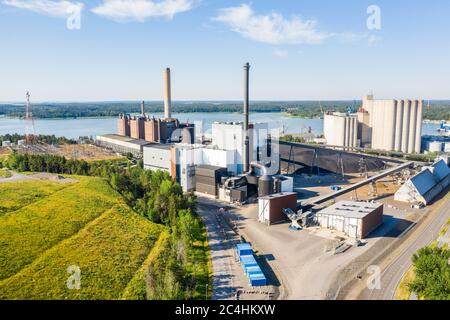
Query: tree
<point x="432" y="270"/>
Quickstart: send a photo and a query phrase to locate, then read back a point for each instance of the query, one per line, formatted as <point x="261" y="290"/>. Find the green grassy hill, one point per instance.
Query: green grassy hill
<point x="84" y="224"/>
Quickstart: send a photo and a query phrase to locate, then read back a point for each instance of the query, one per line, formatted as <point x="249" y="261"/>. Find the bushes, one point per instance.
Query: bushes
<point x="432" y="281"/>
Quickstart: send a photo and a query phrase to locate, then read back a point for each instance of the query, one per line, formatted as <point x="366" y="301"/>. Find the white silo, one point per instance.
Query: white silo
<point x="351" y="130"/>
<point x="418" y="144"/>
<point x="406" y="121"/>
<point x="412" y="127"/>
<point x="399" y="125"/>
<point x="390" y="114"/>
<point x="354" y="133"/>
<point x="347" y="131"/>
<point x="375" y="122"/>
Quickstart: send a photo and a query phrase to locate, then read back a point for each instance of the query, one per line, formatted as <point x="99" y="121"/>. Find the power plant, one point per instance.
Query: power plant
<point x="157" y="130"/>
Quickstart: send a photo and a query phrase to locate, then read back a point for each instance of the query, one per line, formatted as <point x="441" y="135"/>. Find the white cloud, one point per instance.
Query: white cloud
<point x="272" y="28"/>
<point x="281" y="53"/>
<point x="62" y="9"/>
<point x="139" y="10"/>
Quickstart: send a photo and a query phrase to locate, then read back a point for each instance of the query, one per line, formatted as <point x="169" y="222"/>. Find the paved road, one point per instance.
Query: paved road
<point x="393" y="273"/>
<point x="226" y="273"/>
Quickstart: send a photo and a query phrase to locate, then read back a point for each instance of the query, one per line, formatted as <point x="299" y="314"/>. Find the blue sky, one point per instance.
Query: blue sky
<point x="298" y="49"/>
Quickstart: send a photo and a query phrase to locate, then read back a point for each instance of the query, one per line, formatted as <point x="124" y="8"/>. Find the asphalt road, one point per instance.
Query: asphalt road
<point x="393" y="273"/>
<point x="221" y="239"/>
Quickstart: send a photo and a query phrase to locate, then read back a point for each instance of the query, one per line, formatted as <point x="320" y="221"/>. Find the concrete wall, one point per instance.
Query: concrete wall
<point x="157" y="158"/>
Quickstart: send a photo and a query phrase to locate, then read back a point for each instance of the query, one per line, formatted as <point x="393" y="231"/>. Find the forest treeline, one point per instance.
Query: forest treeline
<point x="34" y="139"/>
<point x="184" y="272"/>
<point x="438" y="110"/>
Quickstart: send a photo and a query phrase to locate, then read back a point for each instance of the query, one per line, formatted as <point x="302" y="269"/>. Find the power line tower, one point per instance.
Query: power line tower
<point x="29" y="121"/>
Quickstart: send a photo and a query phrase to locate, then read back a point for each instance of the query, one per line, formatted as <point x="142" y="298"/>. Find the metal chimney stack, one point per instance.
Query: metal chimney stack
<point x="143" y="108"/>
<point x="167" y="95"/>
<point x="246" y="159"/>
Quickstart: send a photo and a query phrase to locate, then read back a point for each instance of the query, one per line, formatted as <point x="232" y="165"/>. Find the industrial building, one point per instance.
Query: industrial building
<point x="122" y="144"/>
<point x="436" y="144"/>
<point x="396" y="124"/>
<point x="355" y="219"/>
<point x="151" y="129"/>
<point x="341" y="129"/>
<point x="389" y="125"/>
<point x="271" y="207"/>
<point x="425" y="186"/>
<point x="231" y="137"/>
<point x="159" y="157"/>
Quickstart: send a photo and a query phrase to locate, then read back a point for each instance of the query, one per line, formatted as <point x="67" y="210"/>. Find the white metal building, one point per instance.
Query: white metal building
<point x="355" y="219"/>
<point x="426" y="185"/>
<point x="158" y="157"/>
<point x="230" y="136"/>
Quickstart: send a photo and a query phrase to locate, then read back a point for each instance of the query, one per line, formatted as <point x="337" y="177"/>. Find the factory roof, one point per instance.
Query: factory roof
<point x="278" y="195"/>
<point x="440" y="170"/>
<point x="125" y="139"/>
<point x="424" y="181"/>
<point x="159" y="146"/>
<point x="351" y="209"/>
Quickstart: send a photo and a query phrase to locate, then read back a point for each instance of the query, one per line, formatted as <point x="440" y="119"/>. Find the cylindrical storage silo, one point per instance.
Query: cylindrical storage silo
<point x="350" y="131"/>
<point x="418" y="144"/>
<point x="265" y="186"/>
<point x="347" y="131"/>
<point x="355" y="132"/>
<point x="406" y="121"/>
<point x="399" y="126"/>
<point x="412" y="127"/>
<point x="390" y="114"/>
<point x="377" y="119"/>
<point x="340" y="130"/>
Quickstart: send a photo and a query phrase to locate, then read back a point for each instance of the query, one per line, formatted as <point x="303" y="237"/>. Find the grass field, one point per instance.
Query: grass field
<point x="402" y="292"/>
<point x="15" y="195"/>
<point x="84" y="224"/>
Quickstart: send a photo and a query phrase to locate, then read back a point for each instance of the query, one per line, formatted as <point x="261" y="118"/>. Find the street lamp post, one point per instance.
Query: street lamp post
<point x="206" y="292"/>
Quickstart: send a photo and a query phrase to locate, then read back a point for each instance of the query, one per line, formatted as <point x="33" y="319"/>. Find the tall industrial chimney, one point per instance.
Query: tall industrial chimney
<point x="246" y="114"/>
<point x="142" y="108"/>
<point x="167" y="95"/>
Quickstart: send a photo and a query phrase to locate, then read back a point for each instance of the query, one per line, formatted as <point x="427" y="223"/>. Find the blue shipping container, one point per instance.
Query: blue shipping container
<point x="244" y="249"/>
<point x="258" y="280"/>
<point x="248" y="260"/>
<point x="253" y="270"/>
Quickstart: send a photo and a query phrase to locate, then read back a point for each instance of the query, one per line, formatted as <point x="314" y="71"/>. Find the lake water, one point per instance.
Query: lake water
<point x="74" y="128"/>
